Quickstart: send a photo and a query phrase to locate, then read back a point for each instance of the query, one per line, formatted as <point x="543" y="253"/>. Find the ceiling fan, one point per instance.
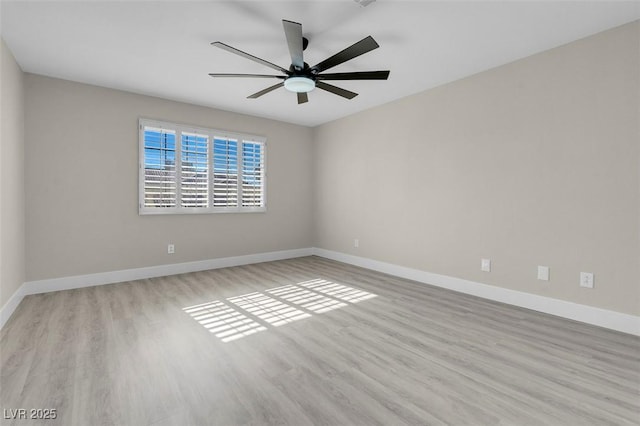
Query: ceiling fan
<point x="300" y="77"/>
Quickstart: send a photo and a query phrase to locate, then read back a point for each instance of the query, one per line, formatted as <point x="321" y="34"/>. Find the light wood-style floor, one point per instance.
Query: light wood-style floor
<point x="308" y="341"/>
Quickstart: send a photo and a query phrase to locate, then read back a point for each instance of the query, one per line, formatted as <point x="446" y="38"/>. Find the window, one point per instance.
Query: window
<point x="192" y="170"/>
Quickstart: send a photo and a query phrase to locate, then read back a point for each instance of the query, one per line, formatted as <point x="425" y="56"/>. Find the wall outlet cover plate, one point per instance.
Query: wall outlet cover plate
<point x="586" y="279"/>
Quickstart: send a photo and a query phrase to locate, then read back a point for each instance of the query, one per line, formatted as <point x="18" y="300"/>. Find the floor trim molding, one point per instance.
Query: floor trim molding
<point x="588" y="314"/>
<point x="101" y="278"/>
<point x="11" y="305"/>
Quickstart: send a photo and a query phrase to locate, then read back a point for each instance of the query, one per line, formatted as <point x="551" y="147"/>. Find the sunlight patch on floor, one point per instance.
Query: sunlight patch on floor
<point x="223" y="321"/>
<point x="307" y="299"/>
<point x="268" y="309"/>
<point x="339" y="291"/>
<point x="241" y="316"/>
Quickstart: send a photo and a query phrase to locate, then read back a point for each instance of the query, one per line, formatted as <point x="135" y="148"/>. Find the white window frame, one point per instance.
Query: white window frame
<point x="211" y="134"/>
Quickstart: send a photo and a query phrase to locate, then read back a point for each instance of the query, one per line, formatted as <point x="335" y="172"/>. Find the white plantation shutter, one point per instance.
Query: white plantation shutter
<point x="189" y="170"/>
<point x="194" y="170"/>
<point x="252" y="174"/>
<point x="225" y="172"/>
<point x="159" y="168"/>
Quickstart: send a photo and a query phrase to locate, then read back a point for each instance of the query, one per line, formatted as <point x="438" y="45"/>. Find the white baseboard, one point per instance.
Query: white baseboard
<point x="11" y="305"/>
<point x="89" y="280"/>
<point x="588" y="314"/>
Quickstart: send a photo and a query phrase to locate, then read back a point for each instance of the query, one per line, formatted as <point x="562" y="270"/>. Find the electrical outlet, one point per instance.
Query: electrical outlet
<point x="485" y="265"/>
<point x="356" y="243"/>
<point x="364" y="3"/>
<point x="171" y="249"/>
<point x="586" y="279"/>
<point x="543" y="273"/>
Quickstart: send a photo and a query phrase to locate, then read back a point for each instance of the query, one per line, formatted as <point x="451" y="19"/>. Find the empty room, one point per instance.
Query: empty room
<point x="338" y="212"/>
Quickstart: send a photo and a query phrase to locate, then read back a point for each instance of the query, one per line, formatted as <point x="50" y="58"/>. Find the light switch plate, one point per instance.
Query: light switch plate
<point x="485" y="265"/>
<point x="543" y="273"/>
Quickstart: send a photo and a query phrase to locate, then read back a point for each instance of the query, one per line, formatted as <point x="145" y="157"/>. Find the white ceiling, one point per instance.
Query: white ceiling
<point x="161" y="48"/>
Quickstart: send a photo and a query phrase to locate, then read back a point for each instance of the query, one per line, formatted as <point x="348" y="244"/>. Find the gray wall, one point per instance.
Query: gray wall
<point x="12" y="187"/>
<point x="532" y="163"/>
<point x="82" y="185"/>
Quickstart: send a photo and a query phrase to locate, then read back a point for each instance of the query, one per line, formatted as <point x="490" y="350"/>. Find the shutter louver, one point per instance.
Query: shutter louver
<point x="185" y="169"/>
<point x="159" y="168"/>
<point x="225" y="172"/>
<point x="194" y="182"/>
<point x="252" y="174"/>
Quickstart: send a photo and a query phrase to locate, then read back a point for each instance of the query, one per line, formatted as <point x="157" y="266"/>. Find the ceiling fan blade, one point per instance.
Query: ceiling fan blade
<point x="293" y="32"/>
<point x="302" y="98"/>
<point x="248" y="75"/>
<point x="365" y="45"/>
<point x="363" y="75"/>
<point x="336" y="90"/>
<point x="248" y="56"/>
<point x="265" y="91"/>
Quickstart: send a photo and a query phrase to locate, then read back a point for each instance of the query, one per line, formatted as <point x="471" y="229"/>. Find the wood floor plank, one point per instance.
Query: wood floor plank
<point x="308" y="341"/>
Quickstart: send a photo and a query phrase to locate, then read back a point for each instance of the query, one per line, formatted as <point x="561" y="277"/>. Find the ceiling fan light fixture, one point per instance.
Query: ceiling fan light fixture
<point x="299" y="84"/>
